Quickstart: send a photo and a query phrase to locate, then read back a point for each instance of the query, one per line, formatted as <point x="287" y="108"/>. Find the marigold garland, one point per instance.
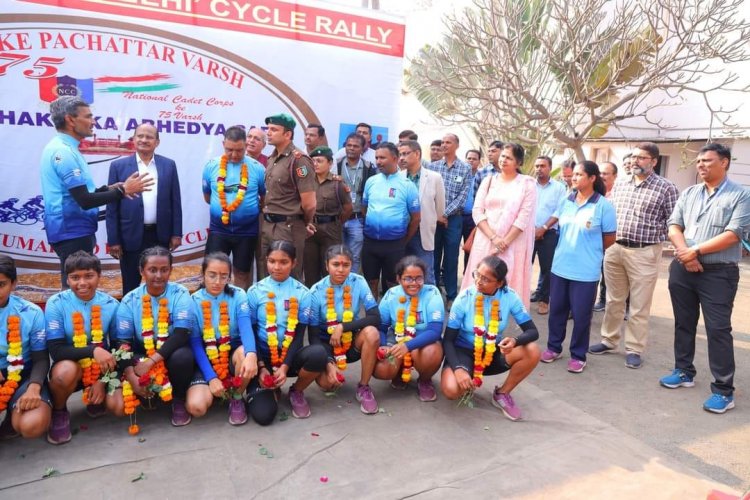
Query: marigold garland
<point x="157" y="373"/>
<point x="15" y="361"/>
<point x="405" y="330"/>
<point x="484" y="339"/>
<point x="217" y="350"/>
<point x="226" y="210"/>
<point x="91" y="369"/>
<point x="272" y="329"/>
<point x="131" y="402"/>
<point x="340" y="351"/>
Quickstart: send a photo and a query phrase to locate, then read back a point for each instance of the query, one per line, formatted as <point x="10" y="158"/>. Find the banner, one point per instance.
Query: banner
<point x="190" y="67"/>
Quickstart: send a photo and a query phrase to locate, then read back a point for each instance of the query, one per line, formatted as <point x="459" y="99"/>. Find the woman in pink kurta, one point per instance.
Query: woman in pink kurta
<point x="504" y="210"/>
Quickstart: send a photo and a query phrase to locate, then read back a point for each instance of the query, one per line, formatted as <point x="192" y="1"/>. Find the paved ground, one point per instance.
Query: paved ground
<point x="610" y="432"/>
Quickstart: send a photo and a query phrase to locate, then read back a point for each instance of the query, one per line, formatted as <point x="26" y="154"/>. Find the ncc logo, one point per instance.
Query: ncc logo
<point x="59" y="86"/>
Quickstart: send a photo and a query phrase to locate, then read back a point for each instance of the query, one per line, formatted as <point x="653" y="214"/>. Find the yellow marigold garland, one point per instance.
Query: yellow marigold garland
<point x="484" y="339"/>
<point x="158" y="372"/>
<point x="217" y="350"/>
<point x="131" y="402"/>
<point x="15" y="361"/>
<point x="226" y="210"/>
<point x="405" y="330"/>
<point x="332" y="320"/>
<point x="271" y="329"/>
<point x="91" y="370"/>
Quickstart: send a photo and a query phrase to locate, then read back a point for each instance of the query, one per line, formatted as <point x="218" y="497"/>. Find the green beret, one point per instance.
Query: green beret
<point x="282" y="119"/>
<point x="322" y="151"/>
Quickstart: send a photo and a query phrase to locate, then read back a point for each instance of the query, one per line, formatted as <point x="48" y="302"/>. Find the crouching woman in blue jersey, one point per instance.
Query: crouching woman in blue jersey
<point x="474" y="343"/>
<point x="222" y="341"/>
<point x="347" y="338"/>
<point x="80" y="321"/>
<point x="411" y="324"/>
<point x="24" y="361"/>
<point x="155" y="321"/>
<point x="280" y="313"/>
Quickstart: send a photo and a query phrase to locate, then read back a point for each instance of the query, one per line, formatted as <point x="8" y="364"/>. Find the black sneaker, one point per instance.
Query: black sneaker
<point x="599" y="306"/>
<point x="600" y="348"/>
<point x="534" y="297"/>
<point x="633" y="360"/>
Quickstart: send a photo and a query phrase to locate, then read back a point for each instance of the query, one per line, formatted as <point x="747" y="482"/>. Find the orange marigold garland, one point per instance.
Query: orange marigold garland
<point x="272" y="329"/>
<point x="340" y="351"/>
<point x="15" y="361"/>
<point x="91" y="370"/>
<point x="227" y="209"/>
<point x="217" y="350"/>
<point x="157" y="376"/>
<point x="131" y="402"/>
<point x="484" y="339"/>
<point x="291" y="326"/>
<point x="411" y="332"/>
<point x="405" y="330"/>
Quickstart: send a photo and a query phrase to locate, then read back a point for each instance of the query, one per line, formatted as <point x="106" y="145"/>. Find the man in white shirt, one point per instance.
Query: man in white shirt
<point x="155" y="218"/>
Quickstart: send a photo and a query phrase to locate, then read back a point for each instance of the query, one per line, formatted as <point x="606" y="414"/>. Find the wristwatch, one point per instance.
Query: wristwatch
<point x="696" y="249"/>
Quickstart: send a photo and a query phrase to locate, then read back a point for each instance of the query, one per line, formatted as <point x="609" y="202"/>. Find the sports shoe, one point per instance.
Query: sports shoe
<point x="600" y="306"/>
<point x="601" y="348"/>
<point x="180" y="415"/>
<point x="6" y="429"/>
<point x="633" y="360"/>
<point x="426" y="391"/>
<point x="548" y="356"/>
<point x="576" y="365"/>
<point x="300" y="408"/>
<point x="534" y="297"/>
<point x="718" y="403"/>
<point x="542" y="308"/>
<point x="59" y="428"/>
<point x="237" y="412"/>
<point x="507" y="405"/>
<point x="96" y="411"/>
<point x="678" y="378"/>
<point x="367" y="401"/>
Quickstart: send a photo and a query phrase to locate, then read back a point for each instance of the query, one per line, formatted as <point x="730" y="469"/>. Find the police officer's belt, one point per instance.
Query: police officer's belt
<point x="280" y="218"/>
<point x="322" y="219"/>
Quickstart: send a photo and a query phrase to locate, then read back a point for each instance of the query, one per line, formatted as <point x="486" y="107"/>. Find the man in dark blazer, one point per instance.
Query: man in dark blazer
<point x="155" y="218"/>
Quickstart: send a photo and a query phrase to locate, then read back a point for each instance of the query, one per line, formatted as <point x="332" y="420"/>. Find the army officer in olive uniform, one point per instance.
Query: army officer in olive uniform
<point x="290" y="193"/>
<point x="334" y="206"/>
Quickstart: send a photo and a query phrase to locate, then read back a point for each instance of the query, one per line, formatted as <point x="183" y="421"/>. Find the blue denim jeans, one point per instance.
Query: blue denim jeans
<point x="447" y="242"/>
<point x="353" y="238"/>
<point x="414" y="247"/>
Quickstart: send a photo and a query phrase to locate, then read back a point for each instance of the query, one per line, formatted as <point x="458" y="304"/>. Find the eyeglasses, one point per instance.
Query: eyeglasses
<point x="481" y="279"/>
<point x="217" y="278"/>
<point x="644" y="158"/>
<point x="409" y="280"/>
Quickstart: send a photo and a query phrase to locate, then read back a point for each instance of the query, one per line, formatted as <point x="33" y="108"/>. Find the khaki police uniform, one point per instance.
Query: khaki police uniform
<point x="331" y="195"/>
<point x="286" y="177"/>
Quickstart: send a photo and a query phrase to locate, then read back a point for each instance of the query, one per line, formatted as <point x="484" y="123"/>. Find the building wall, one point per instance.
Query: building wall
<point x="678" y="159"/>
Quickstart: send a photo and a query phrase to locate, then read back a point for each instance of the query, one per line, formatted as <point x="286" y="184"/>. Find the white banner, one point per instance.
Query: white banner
<point x="193" y="69"/>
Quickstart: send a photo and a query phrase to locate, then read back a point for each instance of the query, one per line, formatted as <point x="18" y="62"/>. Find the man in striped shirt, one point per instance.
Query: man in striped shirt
<point x="706" y="229"/>
<point x="643" y="204"/>
<point x="457" y="179"/>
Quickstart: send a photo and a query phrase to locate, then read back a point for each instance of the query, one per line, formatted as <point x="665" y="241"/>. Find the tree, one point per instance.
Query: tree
<point x="555" y="73"/>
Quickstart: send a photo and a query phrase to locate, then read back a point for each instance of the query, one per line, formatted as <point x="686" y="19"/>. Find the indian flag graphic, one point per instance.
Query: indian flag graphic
<point x="155" y="82"/>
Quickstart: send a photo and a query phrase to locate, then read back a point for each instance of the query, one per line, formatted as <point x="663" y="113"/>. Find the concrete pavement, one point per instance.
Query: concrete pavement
<point x="610" y="432"/>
